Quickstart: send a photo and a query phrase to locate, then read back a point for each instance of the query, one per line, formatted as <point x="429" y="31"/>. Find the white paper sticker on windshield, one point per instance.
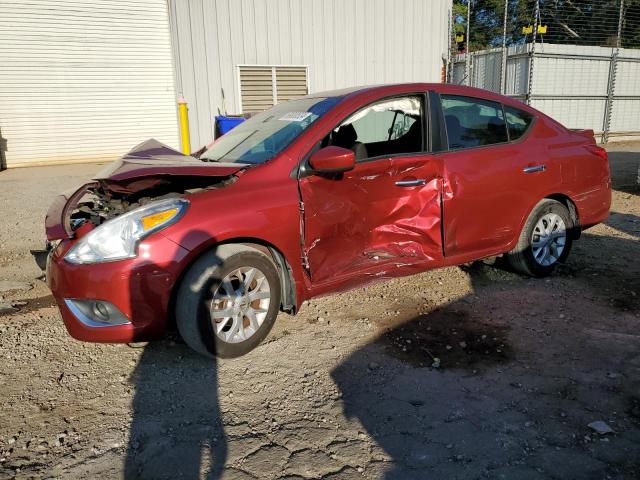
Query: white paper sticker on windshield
<point x="295" y="116"/>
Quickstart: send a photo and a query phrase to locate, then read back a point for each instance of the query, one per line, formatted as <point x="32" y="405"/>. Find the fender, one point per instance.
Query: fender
<point x="255" y="209"/>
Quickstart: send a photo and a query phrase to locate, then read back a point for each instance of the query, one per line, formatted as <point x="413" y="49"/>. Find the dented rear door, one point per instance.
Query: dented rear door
<point x="382" y="219"/>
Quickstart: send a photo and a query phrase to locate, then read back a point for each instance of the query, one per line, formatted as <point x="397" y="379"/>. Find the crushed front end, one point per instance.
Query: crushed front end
<point x="109" y="266"/>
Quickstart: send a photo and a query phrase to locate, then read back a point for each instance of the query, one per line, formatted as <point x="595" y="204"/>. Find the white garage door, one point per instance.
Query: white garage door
<point x="84" y="81"/>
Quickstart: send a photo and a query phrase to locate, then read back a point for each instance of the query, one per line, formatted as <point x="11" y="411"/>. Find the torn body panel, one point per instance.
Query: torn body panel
<point x="379" y="220"/>
<point x="151" y="171"/>
<point x="152" y="159"/>
<point x="412" y="227"/>
<point x="58" y="220"/>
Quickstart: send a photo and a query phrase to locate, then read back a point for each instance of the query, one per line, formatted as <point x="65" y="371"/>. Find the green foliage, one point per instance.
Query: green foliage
<point x="582" y="22"/>
<point x="631" y="26"/>
<point x="487" y="21"/>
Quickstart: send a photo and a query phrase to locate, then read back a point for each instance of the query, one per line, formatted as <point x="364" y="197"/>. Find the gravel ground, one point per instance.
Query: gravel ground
<point x="348" y="388"/>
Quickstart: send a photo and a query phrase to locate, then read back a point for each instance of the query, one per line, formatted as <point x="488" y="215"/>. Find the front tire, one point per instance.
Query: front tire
<point x="228" y="301"/>
<point x="544" y="241"/>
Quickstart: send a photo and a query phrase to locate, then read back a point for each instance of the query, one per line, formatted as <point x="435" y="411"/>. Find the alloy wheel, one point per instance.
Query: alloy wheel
<point x="240" y="304"/>
<point x="548" y="239"/>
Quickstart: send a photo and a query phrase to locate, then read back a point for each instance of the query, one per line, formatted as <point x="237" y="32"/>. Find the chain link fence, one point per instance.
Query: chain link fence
<point x="578" y="61"/>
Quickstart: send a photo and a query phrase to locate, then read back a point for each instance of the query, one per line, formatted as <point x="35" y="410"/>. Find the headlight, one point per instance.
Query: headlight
<point x="118" y="238"/>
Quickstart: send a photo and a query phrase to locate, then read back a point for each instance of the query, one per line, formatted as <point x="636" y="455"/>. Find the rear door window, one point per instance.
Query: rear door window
<point x="517" y="121"/>
<point x="473" y="122"/>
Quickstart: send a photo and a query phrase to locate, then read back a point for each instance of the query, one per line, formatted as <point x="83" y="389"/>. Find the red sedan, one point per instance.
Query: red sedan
<point x="317" y="195"/>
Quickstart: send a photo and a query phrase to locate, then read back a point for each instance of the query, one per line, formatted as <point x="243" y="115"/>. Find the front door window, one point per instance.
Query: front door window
<point x="389" y="127"/>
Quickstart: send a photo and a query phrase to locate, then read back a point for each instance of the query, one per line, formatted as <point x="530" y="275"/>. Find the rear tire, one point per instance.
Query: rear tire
<point x="228" y="301"/>
<point x="545" y="240"/>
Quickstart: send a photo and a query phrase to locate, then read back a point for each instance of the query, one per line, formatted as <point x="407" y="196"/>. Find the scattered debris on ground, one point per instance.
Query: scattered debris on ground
<point x="601" y="427"/>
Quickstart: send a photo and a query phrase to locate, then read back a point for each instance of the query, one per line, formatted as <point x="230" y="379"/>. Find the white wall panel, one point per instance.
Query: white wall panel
<point x="570" y="76"/>
<point x="84" y="81"/>
<point x="574" y="113"/>
<point x="570" y="82"/>
<point x="626" y="115"/>
<point x="343" y="42"/>
<point x="628" y="73"/>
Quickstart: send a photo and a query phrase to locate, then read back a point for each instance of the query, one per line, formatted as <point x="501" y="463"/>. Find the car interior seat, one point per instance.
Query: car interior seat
<point x="346" y="137"/>
<point x="412" y="140"/>
<point x="496" y="131"/>
<point x="454" y="130"/>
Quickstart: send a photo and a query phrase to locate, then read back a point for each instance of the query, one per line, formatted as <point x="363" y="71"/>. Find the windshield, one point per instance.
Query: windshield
<point x="267" y="134"/>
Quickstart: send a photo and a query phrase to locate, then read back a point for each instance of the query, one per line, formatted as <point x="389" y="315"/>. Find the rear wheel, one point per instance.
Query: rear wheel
<point x="544" y="241"/>
<point x="228" y="301"/>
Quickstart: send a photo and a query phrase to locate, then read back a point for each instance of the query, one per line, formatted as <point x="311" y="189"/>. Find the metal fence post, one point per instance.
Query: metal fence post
<point x="533" y="52"/>
<point x="611" y="84"/>
<point x="503" y="68"/>
<point x="467" y="56"/>
<point x="450" y="54"/>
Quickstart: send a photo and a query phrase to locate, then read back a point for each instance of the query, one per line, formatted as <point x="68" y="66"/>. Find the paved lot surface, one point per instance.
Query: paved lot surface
<point x="345" y="389"/>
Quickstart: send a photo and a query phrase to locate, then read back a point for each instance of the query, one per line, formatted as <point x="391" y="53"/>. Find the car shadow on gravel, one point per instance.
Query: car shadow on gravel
<point x="625" y="222"/>
<point x="607" y="266"/>
<point x="405" y="386"/>
<point x="451" y="334"/>
<point x="625" y="171"/>
<point x="176" y="430"/>
<point x="502" y="382"/>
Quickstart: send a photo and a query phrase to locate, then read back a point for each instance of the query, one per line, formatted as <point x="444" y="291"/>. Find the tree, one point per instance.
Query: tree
<point x="487" y="21"/>
<point x="583" y="22"/>
<point x="631" y="25"/>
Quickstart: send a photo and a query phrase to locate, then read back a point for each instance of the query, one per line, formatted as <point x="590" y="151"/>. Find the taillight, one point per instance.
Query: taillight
<point x="599" y="151"/>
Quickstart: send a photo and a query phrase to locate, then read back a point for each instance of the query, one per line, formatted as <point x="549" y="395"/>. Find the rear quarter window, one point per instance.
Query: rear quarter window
<point x="473" y="122"/>
<point x="518" y="122"/>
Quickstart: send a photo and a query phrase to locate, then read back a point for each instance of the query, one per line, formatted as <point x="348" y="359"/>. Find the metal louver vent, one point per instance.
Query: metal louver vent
<point x="256" y="88"/>
<point x="261" y="87"/>
<point x="291" y="82"/>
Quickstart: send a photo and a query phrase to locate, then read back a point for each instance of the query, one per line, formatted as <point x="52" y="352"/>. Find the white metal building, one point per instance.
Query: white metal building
<point x="85" y="81"/>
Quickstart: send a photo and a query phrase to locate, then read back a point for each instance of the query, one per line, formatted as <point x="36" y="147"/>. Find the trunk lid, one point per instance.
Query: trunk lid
<point x="587" y="134"/>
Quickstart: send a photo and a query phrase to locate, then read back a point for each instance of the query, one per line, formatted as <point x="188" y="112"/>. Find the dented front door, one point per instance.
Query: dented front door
<point x="381" y="219"/>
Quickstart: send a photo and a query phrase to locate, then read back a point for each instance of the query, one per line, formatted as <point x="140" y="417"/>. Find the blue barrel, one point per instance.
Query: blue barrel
<point x="225" y="123"/>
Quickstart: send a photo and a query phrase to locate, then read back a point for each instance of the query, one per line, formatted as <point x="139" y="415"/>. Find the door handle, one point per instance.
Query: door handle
<point x="411" y="183"/>
<point x="534" y="169"/>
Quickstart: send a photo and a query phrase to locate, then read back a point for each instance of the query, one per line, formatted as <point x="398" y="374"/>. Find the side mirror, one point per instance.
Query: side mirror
<point x="332" y="159"/>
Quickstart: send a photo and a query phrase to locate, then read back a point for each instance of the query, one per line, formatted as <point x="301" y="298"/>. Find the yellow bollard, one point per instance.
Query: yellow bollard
<point x="183" y="114"/>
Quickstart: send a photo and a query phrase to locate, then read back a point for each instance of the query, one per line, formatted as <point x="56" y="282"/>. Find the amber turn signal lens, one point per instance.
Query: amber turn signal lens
<point x="151" y="221"/>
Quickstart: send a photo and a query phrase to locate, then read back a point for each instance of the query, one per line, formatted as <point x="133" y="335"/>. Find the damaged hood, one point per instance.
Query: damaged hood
<point x="147" y="165"/>
<point x="152" y="158"/>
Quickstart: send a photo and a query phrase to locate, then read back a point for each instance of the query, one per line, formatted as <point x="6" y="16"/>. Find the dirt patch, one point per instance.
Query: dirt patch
<point x="30" y="305"/>
<point x="451" y="339"/>
<point x="633" y="408"/>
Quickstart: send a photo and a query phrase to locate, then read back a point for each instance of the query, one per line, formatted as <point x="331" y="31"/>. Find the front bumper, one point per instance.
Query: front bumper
<point x="140" y="288"/>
